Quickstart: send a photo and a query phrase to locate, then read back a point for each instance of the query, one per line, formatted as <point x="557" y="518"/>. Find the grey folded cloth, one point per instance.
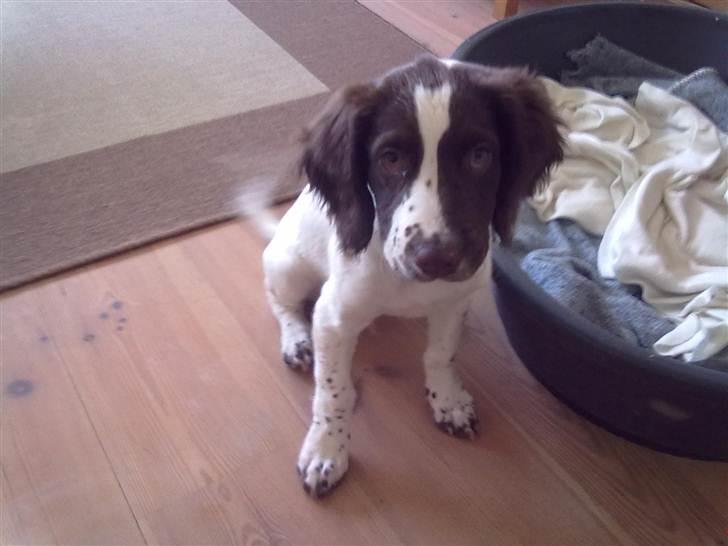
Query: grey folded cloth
<point x="562" y="259"/>
<point x="708" y="92"/>
<point x="610" y="69"/>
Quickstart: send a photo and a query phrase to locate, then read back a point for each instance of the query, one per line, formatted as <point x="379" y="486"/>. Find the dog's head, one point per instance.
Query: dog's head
<point x="436" y="152"/>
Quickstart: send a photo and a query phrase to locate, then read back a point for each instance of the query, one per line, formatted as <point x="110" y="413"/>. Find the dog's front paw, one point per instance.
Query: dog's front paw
<point x="298" y="354"/>
<point x="454" y="411"/>
<point x="324" y="458"/>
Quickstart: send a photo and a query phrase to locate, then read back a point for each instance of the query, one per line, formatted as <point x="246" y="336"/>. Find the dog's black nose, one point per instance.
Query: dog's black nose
<point x="437" y="259"/>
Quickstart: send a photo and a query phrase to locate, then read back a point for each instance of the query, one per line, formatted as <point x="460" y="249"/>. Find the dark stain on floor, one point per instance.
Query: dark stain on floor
<point x="19" y="388"/>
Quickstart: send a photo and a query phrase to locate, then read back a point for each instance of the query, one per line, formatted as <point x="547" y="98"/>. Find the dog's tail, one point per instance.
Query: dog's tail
<point x="253" y="202"/>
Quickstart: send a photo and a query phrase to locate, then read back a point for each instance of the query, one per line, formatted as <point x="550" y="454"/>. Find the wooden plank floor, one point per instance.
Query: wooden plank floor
<point x="143" y="401"/>
<point x="442" y="25"/>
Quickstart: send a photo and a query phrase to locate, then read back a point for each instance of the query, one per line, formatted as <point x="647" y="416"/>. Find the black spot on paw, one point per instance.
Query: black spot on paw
<point x="104" y="315"/>
<point x="88" y="338"/>
<point x="322" y="488"/>
<point x="289" y="361"/>
<point x="304" y="353"/>
<point x="302" y="357"/>
<point x="467" y="431"/>
<point x="117" y="305"/>
<point x="19" y="388"/>
<point x="122" y="320"/>
<point x="44" y="338"/>
<point x="433" y="394"/>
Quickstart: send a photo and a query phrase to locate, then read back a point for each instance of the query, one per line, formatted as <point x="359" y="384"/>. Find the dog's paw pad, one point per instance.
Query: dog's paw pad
<point x="299" y="356"/>
<point x="321" y="464"/>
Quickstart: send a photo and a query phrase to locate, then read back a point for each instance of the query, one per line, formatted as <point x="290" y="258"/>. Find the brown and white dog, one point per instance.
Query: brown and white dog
<point x="409" y="178"/>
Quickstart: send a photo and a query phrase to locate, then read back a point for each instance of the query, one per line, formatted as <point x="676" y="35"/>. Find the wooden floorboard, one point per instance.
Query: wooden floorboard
<point x="160" y="412"/>
<point x="55" y="469"/>
<point x="442" y="25"/>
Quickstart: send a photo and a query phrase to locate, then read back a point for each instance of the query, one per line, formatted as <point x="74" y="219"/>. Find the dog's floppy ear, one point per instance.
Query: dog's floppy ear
<point x="531" y="145"/>
<point x="335" y="160"/>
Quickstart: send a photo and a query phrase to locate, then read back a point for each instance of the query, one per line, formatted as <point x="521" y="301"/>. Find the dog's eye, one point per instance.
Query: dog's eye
<point x="479" y="158"/>
<point x="393" y="161"/>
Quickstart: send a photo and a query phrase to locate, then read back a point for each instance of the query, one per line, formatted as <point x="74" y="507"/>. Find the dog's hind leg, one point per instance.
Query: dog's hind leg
<point x="290" y="283"/>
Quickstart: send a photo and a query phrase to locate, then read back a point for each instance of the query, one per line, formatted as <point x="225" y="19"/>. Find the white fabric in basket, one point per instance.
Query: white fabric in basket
<point x="653" y="181"/>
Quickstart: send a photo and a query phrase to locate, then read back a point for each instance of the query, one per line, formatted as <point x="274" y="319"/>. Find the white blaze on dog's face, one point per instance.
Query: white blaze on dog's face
<point x="446" y="150"/>
<point x="420" y="213"/>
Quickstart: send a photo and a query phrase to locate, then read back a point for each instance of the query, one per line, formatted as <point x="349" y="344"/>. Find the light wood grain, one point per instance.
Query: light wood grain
<point x="168" y="418"/>
<point x="718" y="5"/>
<point x="55" y="471"/>
<point x="504" y="8"/>
<point x="439" y="25"/>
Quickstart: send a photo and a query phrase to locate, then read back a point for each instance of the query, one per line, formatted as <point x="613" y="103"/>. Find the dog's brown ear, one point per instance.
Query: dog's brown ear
<point x="531" y="145"/>
<point x="335" y="160"/>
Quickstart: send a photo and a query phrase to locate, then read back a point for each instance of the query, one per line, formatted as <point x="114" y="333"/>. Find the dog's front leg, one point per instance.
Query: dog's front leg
<point x="451" y="404"/>
<point x="324" y="457"/>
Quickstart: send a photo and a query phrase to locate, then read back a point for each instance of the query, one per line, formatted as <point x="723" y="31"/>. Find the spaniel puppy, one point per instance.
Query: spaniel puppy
<point x="409" y="178"/>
